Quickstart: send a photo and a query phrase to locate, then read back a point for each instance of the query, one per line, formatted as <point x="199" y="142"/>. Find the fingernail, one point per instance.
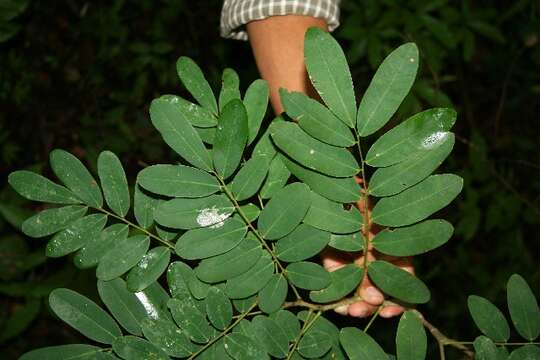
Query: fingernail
<point x="342" y="309"/>
<point x="374" y="295"/>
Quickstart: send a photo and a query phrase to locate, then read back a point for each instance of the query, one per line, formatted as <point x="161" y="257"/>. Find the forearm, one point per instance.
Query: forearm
<point x="278" y="47"/>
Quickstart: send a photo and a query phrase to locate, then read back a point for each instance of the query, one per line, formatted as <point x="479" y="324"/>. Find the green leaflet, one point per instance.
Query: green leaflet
<point x="308" y="275"/>
<point x="523" y="308"/>
<point x="315" y="119"/>
<point x="322" y="324"/>
<point x="210" y="241"/>
<point x="92" y="252"/>
<point x="396" y="178"/>
<point x="489" y="319"/>
<point x="166" y="233"/>
<point x="314" y="344"/>
<point x="84" y="315"/>
<point x="360" y="346"/>
<point x="343" y="190"/>
<point x="398" y="283"/>
<point x="284" y="211"/>
<point x="241" y="347"/>
<point x="76" y="235"/>
<point x="194" y="213"/>
<point x="302" y="243"/>
<point x="230" y="139"/>
<point x="183" y="283"/>
<point x="196" y="115"/>
<point x="527" y="352"/>
<point x="485" y="349"/>
<point x="148" y="269"/>
<point x="231" y="263"/>
<point x="411" y="339"/>
<point x="273" y="294"/>
<point x="76" y="177"/>
<point x="207" y="134"/>
<point x="67" y="352"/>
<point x="143" y="206"/>
<point x="178" y="133"/>
<point x="251" y="281"/>
<point x="168" y="337"/>
<point x="277" y="177"/>
<point x="190" y="319"/>
<point x="154" y="300"/>
<point x="288" y="322"/>
<point x="49" y="221"/>
<point x="417" y="202"/>
<point x="114" y="183"/>
<point x="178" y="181"/>
<point x="312" y="153"/>
<point x="411" y="136"/>
<point x="134" y="348"/>
<point x="329" y="73"/>
<point x="250" y="211"/>
<point x="256" y="103"/>
<point x="215" y="351"/>
<point x="244" y="304"/>
<point x="387" y="89"/>
<point x="123" y="304"/>
<point x="250" y="177"/>
<point x="264" y="146"/>
<point x="343" y="281"/>
<point x="347" y="242"/>
<point x="193" y="79"/>
<point x="271" y="336"/>
<point x="327" y="215"/>
<point x="415" y="239"/>
<point x="38" y="188"/>
<point x="230" y="87"/>
<point x="245" y="327"/>
<point x="218" y="308"/>
<point x="122" y="256"/>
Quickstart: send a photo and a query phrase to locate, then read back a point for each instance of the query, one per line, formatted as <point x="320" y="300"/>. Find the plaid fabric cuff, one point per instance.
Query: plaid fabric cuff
<point x="236" y="13"/>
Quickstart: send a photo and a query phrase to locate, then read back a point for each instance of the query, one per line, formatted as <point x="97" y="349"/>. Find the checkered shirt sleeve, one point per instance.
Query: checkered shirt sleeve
<point x="236" y="13"/>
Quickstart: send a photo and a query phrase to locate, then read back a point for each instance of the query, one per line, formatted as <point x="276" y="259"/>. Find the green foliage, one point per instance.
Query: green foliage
<point x="253" y="260"/>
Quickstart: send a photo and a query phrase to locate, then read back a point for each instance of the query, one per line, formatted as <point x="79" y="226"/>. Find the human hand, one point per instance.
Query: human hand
<point x="372" y="298"/>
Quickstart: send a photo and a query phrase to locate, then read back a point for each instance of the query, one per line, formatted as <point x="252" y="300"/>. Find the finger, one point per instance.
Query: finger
<point x="391" y="311"/>
<point x="342" y="310"/>
<point x="361" y="309"/>
<point x="370" y="294"/>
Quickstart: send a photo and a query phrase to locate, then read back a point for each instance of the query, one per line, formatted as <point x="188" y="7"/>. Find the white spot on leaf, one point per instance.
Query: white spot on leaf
<point x="211" y="216"/>
<point x="434" y="139"/>
<point x="148" y="306"/>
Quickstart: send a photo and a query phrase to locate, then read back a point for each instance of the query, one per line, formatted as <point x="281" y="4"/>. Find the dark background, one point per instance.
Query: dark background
<point x="80" y="75"/>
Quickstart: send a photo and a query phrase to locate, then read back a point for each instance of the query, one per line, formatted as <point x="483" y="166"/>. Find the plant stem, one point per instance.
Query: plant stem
<point x="164" y="242"/>
<point x="373" y="318"/>
<point x="442" y="339"/>
<point x="366" y="228"/>
<point x="307" y="325"/>
<point x="223" y="333"/>
<point x="256" y="233"/>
